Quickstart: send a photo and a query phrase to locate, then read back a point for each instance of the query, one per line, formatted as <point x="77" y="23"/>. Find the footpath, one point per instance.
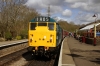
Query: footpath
<point x="83" y="54"/>
<point x="65" y="58"/>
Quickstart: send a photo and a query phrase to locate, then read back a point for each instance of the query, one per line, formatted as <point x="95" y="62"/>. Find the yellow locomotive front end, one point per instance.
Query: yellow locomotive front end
<point x="42" y="36"/>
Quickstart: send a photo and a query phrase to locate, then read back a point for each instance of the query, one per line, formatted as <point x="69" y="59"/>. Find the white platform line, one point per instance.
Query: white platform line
<point x="60" y="57"/>
<point x="69" y="64"/>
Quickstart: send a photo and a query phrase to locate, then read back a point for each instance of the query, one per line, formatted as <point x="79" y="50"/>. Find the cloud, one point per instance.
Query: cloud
<point x="95" y="1"/>
<point x="67" y="13"/>
<point x="86" y="5"/>
<point x="83" y="18"/>
<point x="55" y="9"/>
<point x="42" y="5"/>
<point x="82" y="9"/>
<point x="79" y="5"/>
<point x="73" y="1"/>
<point x="37" y="4"/>
<point x="60" y="18"/>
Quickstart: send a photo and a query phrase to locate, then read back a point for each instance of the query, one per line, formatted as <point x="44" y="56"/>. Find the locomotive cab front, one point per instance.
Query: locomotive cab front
<point x="42" y="36"/>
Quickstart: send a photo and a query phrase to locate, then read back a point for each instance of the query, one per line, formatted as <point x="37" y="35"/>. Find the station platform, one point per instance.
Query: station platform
<point x="65" y="58"/>
<point x="12" y="42"/>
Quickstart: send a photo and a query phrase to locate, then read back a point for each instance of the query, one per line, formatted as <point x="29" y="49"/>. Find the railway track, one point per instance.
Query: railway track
<point x="15" y="58"/>
<point x="38" y="61"/>
<point x="8" y="59"/>
<point x="8" y="47"/>
<point x="30" y="60"/>
<point x="41" y="61"/>
<point x="11" y="51"/>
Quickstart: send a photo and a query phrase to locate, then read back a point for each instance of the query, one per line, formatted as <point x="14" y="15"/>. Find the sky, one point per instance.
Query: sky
<point x="77" y="11"/>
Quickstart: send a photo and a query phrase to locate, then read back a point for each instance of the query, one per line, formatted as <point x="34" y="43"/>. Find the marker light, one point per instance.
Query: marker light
<point x="50" y="39"/>
<point x="31" y="40"/>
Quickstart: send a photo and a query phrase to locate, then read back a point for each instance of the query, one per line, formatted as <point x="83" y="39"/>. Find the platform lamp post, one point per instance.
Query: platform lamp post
<point x="95" y="15"/>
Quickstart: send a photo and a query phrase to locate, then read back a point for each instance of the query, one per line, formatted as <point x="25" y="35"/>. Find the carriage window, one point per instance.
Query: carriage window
<point x="42" y="24"/>
<point x="51" y="26"/>
<point x="32" y="26"/>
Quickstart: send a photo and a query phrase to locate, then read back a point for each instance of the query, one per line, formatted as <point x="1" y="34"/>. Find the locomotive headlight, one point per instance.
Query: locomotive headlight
<point x="44" y="37"/>
<point x="50" y="39"/>
<point x="31" y="39"/>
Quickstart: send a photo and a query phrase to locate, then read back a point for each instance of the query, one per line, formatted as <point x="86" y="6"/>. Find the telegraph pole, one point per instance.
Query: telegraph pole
<point x="48" y="10"/>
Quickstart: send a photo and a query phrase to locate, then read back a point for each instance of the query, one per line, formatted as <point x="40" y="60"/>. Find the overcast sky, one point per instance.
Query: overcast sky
<point x="77" y="11"/>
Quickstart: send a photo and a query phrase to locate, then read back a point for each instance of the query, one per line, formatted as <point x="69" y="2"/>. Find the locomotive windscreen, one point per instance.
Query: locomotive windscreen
<point x="32" y="26"/>
<point x="51" y="26"/>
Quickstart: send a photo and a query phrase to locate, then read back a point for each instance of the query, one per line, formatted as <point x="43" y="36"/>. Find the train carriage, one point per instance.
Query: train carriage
<point x="45" y="35"/>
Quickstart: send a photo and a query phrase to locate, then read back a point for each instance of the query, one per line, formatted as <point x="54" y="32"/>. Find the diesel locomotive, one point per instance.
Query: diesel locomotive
<point x="45" y="35"/>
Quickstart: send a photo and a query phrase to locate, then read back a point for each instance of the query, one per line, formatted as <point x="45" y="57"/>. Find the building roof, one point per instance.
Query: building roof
<point x="89" y="26"/>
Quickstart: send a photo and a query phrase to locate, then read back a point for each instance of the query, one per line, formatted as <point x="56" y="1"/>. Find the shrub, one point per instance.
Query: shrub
<point x="8" y="36"/>
<point x="24" y="34"/>
<point x="18" y="37"/>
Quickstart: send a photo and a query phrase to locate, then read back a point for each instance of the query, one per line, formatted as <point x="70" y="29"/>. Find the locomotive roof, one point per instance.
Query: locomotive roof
<point x="43" y="19"/>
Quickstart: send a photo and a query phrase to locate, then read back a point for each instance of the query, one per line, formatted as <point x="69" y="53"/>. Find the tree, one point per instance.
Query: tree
<point x="14" y="17"/>
<point x="71" y="27"/>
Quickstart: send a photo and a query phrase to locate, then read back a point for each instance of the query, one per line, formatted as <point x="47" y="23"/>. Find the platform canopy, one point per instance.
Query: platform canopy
<point x="89" y="26"/>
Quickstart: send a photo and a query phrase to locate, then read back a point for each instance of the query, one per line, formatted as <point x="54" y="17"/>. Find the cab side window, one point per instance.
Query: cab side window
<point x="51" y="26"/>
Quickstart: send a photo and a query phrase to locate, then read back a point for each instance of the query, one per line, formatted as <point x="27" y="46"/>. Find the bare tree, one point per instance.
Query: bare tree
<point x="14" y="17"/>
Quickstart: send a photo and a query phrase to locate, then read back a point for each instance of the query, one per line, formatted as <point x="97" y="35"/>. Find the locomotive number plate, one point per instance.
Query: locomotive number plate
<point x="42" y="19"/>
